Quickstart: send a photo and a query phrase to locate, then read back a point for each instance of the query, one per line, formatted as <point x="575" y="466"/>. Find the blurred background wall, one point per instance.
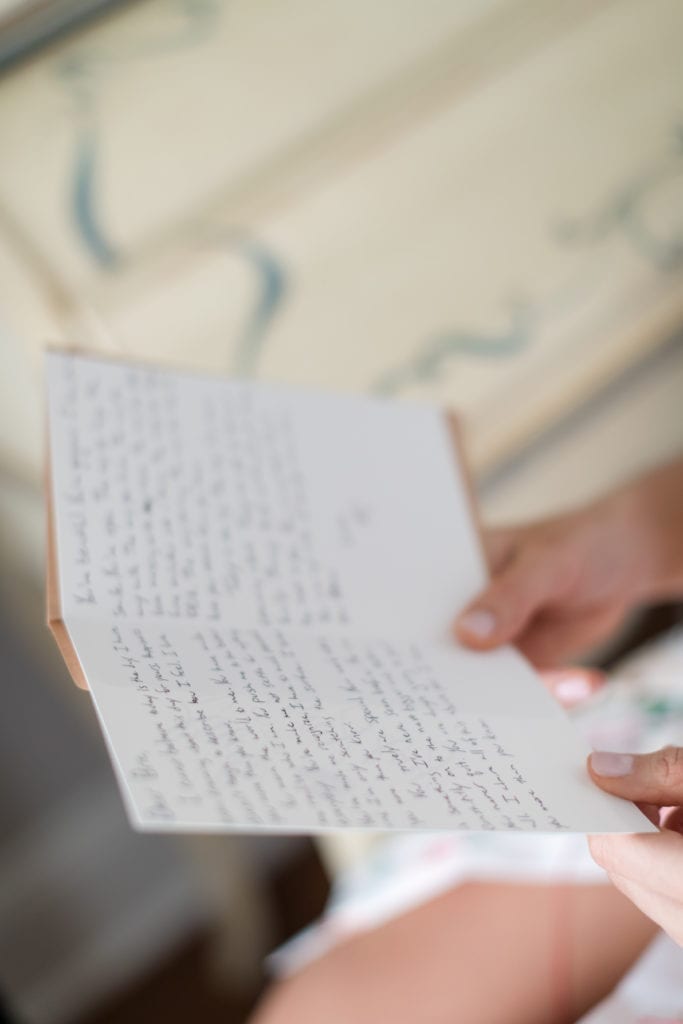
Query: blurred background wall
<point x="478" y="203"/>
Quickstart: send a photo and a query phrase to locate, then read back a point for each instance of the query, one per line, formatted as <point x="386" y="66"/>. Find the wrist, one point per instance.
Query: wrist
<point x="650" y="511"/>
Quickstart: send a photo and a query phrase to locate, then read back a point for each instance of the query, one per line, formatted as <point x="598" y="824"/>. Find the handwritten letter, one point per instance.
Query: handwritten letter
<point x="258" y="583"/>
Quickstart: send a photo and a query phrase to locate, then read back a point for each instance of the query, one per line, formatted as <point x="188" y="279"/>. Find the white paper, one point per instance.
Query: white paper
<point x="259" y="583"/>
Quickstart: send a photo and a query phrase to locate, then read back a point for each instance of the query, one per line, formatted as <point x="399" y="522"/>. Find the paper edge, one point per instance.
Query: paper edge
<point x="466" y="479"/>
<point x="53" y="605"/>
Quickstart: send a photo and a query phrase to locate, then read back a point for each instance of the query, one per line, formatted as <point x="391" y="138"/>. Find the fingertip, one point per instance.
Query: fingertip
<point x="670" y="818"/>
<point x="572" y="686"/>
<point x="477" y="627"/>
<point x="596" y="845"/>
<point x="605" y="764"/>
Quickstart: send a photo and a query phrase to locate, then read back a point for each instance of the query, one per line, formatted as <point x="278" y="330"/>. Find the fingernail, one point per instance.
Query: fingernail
<point x="478" y="623"/>
<point x="571" y="689"/>
<point x="611" y="765"/>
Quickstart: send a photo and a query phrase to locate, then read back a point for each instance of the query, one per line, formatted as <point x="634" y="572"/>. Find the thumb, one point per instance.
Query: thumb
<point x="647" y="778"/>
<point x="500" y="613"/>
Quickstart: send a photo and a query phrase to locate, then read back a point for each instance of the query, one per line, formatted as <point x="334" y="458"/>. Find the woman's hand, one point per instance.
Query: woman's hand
<point x="563" y="585"/>
<point x="646" y="868"/>
<point x="558" y="587"/>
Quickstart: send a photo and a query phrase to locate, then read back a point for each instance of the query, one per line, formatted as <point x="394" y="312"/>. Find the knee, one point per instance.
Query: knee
<point x="298" y="1000"/>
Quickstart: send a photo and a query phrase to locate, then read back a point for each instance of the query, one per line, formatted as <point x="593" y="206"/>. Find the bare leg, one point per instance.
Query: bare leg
<point x="479" y="954"/>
